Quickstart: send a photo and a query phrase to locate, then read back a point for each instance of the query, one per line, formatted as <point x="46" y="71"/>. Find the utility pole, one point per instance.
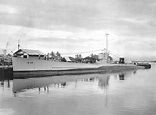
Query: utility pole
<point x="107" y="46"/>
<point x="107" y="42"/>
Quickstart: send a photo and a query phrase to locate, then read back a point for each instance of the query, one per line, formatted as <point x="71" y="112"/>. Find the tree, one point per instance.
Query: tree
<point x="110" y="58"/>
<point x="89" y="59"/>
<point x="9" y="55"/>
<point x="63" y="59"/>
<point x="58" y="54"/>
<point x="78" y="58"/>
<point x="52" y="54"/>
<point x="94" y="56"/>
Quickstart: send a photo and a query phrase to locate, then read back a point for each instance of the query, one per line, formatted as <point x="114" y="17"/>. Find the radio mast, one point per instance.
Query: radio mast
<point x="18" y="44"/>
<point x="107" y="42"/>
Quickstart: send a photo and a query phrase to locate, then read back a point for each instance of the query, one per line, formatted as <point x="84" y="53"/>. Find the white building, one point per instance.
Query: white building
<point x="102" y="56"/>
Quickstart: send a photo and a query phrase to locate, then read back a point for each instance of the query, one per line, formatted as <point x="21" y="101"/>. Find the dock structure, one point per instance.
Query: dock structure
<point x="6" y="73"/>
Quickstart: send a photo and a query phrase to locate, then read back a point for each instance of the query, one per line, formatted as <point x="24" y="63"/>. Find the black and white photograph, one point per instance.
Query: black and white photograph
<point x="77" y="57"/>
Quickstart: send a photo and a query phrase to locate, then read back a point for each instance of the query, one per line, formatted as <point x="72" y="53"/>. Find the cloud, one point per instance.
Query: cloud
<point x="51" y="39"/>
<point x="76" y="41"/>
<point x="45" y="14"/>
<point x="25" y="32"/>
<point x="70" y="25"/>
<point x="135" y="21"/>
<point x="39" y="33"/>
<point x="7" y="9"/>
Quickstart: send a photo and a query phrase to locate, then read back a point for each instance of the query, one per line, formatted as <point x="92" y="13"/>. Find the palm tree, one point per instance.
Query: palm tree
<point x="52" y="54"/>
<point x="78" y="58"/>
<point x="58" y="54"/>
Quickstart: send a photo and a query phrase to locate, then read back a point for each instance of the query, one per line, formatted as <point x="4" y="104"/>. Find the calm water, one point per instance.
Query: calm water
<point x="126" y="93"/>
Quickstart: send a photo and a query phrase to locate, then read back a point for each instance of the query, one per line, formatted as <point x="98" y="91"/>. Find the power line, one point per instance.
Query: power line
<point x="116" y="55"/>
<point x="81" y="52"/>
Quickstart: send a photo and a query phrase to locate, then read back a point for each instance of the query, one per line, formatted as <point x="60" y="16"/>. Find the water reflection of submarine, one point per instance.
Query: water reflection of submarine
<point x="60" y="81"/>
<point x="103" y="82"/>
<point x="121" y="77"/>
<point x="23" y="84"/>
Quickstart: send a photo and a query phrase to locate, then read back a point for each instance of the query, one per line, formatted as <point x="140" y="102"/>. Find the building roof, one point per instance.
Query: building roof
<point x="29" y="52"/>
<point x="67" y="59"/>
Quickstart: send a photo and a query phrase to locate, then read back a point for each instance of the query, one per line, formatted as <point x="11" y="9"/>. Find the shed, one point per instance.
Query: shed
<point x="68" y="59"/>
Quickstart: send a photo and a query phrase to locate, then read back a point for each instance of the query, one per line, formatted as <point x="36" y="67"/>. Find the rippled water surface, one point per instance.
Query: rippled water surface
<point x="126" y="93"/>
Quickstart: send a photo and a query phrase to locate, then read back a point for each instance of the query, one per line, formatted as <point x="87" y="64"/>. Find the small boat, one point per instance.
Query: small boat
<point x="146" y="65"/>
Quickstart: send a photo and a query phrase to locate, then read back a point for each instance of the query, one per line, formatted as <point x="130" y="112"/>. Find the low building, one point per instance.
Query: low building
<point x="102" y="56"/>
<point x="68" y="59"/>
<point x="89" y="60"/>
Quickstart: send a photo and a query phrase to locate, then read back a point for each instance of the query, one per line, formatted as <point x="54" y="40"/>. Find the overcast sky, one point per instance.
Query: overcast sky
<point x="70" y="26"/>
